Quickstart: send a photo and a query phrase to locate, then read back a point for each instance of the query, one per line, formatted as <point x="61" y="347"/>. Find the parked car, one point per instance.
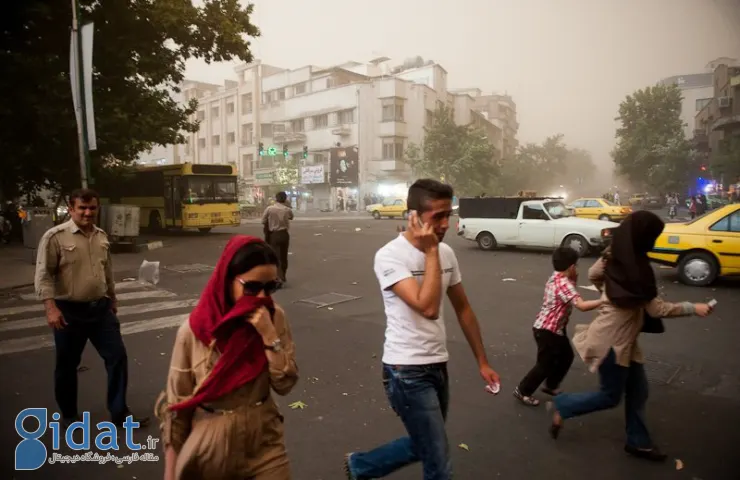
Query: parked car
<point x="390" y="208"/>
<point x="599" y="208"/>
<point x="704" y="248"/>
<point x="529" y="222"/>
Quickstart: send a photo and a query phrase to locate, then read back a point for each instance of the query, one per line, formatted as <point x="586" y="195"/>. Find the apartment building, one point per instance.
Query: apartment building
<point x="499" y="110"/>
<point x="719" y="118"/>
<point x="374" y="109"/>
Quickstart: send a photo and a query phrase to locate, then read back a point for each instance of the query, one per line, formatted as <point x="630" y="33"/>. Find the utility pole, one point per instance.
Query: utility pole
<point x="81" y="111"/>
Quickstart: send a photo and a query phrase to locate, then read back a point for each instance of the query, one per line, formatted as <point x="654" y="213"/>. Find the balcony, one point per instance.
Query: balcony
<point x="288" y="136"/>
<point x="727" y="123"/>
<point x="342" y="131"/>
<point x="700" y="141"/>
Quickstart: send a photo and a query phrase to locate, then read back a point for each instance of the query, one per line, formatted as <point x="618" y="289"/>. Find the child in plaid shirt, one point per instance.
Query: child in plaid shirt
<point x="554" y="353"/>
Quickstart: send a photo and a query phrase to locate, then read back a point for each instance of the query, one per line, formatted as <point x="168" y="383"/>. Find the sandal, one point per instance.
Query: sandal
<point x="528" y="401"/>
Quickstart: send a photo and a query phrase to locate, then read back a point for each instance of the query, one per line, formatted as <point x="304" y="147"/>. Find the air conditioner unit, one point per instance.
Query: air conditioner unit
<point x="724" y="102"/>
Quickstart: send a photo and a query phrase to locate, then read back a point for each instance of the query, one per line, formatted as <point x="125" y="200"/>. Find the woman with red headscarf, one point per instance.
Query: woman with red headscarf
<point x="218" y="417"/>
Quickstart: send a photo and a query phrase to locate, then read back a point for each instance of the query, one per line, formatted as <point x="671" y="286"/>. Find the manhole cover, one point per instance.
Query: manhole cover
<point x="190" y="268"/>
<point x="661" y="373"/>
<point x="328" y="299"/>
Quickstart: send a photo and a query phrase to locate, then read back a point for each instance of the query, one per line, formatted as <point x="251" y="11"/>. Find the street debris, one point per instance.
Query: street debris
<point x="317" y="234"/>
<point x="589" y="287"/>
<point x="297" y="405"/>
<point x="358" y="229"/>
<point x="464" y="446"/>
<point x="679" y="464"/>
<point x="509" y="280"/>
<point x="149" y="272"/>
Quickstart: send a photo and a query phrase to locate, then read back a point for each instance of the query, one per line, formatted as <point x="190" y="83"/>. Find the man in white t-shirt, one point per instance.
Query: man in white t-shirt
<point x="414" y="271"/>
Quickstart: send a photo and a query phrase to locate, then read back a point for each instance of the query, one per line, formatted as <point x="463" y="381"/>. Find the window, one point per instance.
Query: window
<point x="247" y="161"/>
<point x="346" y="116"/>
<point x="299" y="89"/>
<point x="534" y="212"/>
<point x="187" y="147"/>
<point x="298" y="125"/>
<point x="201" y="115"/>
<point x="247" y="103"/>
<point x="231" y="138"/>
<point x="393" y="148"/>
<point x="320" y="121"/>
<point x="205" y="189"/>
<point x="592" y="204"/>
<point x="266" y="98"/>
<point x="281" y="94"/>
<point x="398" y="203"/>
<point x="266" y="130"/>
<point x="701" y="103"/>
<point x="230" y="108"/>
<point x="214" y="112"/>
<point x="429" y="119"/>
<point x="201" y="143"/>
<point x="393" y="110"/>
<point x="731" y="223"/>
<point x="319" y="159"/>
<point x="247" y="134"/>
<point x="278" y="128"/>
<point x="216" y="140"/>
<point x="579" y="204"/>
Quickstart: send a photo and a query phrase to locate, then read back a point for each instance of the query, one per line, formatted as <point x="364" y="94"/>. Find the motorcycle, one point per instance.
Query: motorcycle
<point x="672" y="212"/>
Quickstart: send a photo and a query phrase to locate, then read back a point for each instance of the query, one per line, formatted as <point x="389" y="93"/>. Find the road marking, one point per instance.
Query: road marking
<point x="25" y="344"/>
<point x="39" y="307"/>
<point x="126" y="310"/>
<point x="120" y="287"/>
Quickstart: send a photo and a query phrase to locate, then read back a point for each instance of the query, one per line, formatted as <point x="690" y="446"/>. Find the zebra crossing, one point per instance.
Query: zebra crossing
<point x="141" y="308"/>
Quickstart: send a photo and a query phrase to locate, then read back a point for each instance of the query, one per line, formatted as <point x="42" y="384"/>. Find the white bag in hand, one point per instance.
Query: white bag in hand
<point x="149" y="272"/>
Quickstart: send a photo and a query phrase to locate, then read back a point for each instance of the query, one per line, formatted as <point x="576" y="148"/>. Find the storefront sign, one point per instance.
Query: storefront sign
<point x="264" y="178"/>
<point x="312" y="174"/>
<point x="344" y="166"/>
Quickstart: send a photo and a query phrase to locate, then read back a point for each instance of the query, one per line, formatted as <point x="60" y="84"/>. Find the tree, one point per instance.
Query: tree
<point x="460" y="155"/>
<point x="652" y="150"/>
<point x="724" y="163"/>
<point x="286" y="173"/>
<point x="140" y="50"/>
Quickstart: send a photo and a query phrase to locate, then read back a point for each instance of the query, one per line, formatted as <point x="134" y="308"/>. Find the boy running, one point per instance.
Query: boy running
<point x="554" y="353"/>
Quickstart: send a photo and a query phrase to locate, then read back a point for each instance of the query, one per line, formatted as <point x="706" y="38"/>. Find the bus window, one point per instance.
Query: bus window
<point x="200" y="189"/>
<point x="225" y="189"/>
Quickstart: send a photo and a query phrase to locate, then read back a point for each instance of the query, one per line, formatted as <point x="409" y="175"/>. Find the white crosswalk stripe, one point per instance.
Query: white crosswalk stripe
<point x="134" y="300"/>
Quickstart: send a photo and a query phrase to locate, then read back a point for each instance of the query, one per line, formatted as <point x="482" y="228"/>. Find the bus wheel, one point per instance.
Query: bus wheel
<point x="204" y="229"/>
<point x="155" y="221"/>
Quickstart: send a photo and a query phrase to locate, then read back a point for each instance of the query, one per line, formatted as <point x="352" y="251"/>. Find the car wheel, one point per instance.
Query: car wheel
<point x="406" y="215"/>
<point x="605" y="218"/>
<point x="577" y="243"/>
<point x="698" y="269"/>
<point x="486" y="241"/>
<point x="376" y="215"/>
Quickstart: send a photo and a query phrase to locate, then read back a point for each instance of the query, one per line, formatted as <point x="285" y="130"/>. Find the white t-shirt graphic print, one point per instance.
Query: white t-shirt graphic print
<point x="411" y="339"/>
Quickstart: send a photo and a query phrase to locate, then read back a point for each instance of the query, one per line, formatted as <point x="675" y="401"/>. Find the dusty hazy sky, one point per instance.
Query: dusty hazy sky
<point x="567" y="63"/>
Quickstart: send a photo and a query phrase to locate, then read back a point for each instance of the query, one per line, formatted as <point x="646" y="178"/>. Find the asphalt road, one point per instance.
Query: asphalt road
<point x="693" y="367"/>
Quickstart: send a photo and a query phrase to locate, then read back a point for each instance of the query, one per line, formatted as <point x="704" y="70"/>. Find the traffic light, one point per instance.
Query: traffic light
<point x="262" y="149"/>
<point x="703" y="168"/>
<point x="305" y="151"/>
<point x="285" y="151"/>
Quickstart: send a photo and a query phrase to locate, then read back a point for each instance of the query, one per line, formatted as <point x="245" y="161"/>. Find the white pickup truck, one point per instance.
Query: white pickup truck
<point x="524" y="222"/>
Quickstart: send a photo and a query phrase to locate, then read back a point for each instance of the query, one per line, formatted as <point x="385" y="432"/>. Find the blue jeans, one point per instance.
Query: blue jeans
<point x="420" y="395"/>
<point x="94" y="321"/>
<point x="615" y="381"/>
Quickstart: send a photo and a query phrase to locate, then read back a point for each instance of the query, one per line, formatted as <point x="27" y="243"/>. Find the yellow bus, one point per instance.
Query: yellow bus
<point x="182" y="196"/>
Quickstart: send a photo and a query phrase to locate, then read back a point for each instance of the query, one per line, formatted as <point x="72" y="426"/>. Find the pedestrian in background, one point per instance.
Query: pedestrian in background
<point x="74" y="279"/>
<point x="276" y="222"/>
<point x="415" y="271"/>
<point x="554" y="353"/>
<point x="609" y="345"/>
<point x="219" y="419"/>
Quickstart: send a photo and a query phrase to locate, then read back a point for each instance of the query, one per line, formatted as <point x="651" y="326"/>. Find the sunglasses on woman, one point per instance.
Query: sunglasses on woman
<point x="253" y="288"/>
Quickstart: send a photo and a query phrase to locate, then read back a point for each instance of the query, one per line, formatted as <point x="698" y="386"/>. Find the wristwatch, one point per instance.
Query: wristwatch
<point x="275" y="346"/>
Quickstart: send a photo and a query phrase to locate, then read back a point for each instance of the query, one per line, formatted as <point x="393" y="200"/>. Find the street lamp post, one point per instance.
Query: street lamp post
<point x="81" y="112"/>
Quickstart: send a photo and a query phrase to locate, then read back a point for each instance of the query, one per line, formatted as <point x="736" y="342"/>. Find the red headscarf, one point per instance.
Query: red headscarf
<point x="242" y="351"/>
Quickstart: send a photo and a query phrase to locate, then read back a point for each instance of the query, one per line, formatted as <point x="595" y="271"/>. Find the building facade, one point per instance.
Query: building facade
<point x="372" y="110"/>
<point x="697" y="90"/>
<point x="499" y="110"/>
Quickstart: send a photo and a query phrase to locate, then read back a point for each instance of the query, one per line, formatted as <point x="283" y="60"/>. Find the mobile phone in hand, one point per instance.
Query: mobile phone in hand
<point x="712" y="303"/>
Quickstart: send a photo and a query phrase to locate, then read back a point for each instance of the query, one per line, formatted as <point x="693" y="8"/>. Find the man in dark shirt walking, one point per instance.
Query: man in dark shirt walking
<point x="276" y="221"/>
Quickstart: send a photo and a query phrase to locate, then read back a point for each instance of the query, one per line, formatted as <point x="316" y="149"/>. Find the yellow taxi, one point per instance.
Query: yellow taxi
<point x="637" y="198"/>
<point x="391" y="208"/>
<point x="600" y="209"/>
<point x="704" y="248"/>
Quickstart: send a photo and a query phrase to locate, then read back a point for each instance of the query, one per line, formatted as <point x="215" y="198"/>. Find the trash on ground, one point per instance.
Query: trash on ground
<point x="679" y="464"/>
<point x="589" y="287"/>
<point x="464" y="447"/>
<point x="149" y="272"/>
<point x="358" y="229"/>
<point x="297" y="405"/>
<point x="509" y="280"/>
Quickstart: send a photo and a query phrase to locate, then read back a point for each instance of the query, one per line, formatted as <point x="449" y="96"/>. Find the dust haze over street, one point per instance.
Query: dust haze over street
<point x="695" y="388"/>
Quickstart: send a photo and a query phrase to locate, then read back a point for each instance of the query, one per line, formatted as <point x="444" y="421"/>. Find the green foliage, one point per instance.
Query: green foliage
<point x="460" y="155"/>
<point x="545" y="166"/>
<point x="286" y="172"/>
<point x="652" y="151"/>
<point x="139" y="55"/>
<point x="725" y="161"/>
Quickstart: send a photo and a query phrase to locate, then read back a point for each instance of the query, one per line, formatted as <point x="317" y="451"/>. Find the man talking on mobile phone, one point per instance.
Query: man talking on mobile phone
<point x="414" y="270"/>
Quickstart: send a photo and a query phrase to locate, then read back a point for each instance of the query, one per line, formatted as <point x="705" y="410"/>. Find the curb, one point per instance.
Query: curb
<point x="145" y="247"/>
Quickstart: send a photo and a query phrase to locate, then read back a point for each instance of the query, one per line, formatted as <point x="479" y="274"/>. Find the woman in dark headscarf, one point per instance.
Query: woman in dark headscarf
<point x="219" y="419"/>
<point x="609" y="343"/>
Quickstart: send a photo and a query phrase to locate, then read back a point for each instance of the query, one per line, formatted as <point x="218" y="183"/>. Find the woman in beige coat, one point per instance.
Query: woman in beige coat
<point x="609" y="344"/>
<point x="219" y="420"/>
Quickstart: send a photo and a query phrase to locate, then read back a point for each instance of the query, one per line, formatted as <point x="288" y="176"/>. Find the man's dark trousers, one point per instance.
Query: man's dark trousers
<point x="94" y="321"/>
<point x="280" y="242"/>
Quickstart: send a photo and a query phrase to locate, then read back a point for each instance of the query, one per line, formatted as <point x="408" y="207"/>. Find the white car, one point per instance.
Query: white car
<point x="537" y="224"/>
